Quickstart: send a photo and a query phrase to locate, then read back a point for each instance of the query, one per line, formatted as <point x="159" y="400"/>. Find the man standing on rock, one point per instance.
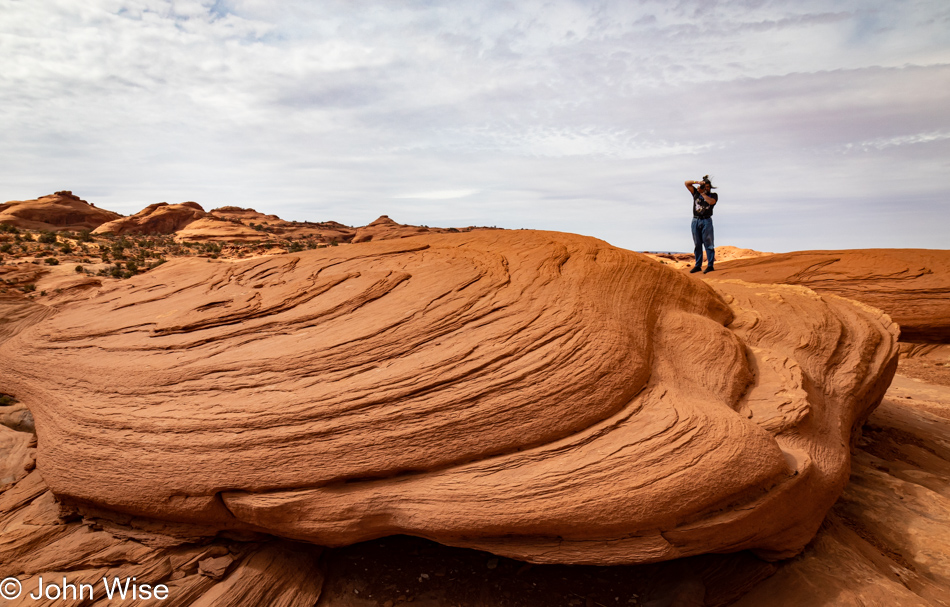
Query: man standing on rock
<point x="704" y="199"/>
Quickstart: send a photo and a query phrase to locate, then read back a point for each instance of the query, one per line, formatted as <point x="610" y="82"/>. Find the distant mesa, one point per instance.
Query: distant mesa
<point x="55" y="212"/>
<point x="539" y="395"/>
<point x="911" y="285"/>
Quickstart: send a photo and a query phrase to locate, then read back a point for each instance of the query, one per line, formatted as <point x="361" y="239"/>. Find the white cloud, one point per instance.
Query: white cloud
<point x="337" y="109"/>
<point x="438" y="195"/>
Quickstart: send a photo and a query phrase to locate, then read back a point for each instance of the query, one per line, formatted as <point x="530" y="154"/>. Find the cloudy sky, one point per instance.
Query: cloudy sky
<point x="824" y="124"/>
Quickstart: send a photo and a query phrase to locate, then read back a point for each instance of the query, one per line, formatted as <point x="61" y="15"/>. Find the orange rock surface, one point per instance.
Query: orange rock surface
<point x="385" y="228"/>
<point x="325" y="230"/>
<point x="59" y="211"/>
<point x="539" y="395"/>
<point x="911" y="285"/>
<point x="213" y="228"/>
<point x="158" y="218"/>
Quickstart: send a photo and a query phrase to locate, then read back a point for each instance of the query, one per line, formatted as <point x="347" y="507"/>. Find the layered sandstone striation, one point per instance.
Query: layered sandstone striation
<point x="911" y="285"/>
<point x="538" y="395"/>
<point x="158" y="218"/>
<point x="59" y="211"/>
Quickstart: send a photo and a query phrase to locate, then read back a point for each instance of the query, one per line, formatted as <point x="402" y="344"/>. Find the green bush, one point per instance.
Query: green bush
<point x="47" y="238"/>
<point x="78" y="269"/>
<point x="5" y="248"/>
<point x="52" y="261"/>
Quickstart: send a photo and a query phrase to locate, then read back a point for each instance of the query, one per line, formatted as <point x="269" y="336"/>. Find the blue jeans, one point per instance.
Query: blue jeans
<point x="703" y="237"/>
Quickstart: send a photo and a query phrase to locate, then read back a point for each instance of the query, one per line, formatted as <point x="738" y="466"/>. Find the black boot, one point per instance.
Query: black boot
<point x="695" y="269"/>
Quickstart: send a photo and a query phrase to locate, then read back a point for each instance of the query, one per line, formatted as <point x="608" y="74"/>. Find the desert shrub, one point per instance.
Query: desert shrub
<point x="78" y="269"/>
<point x="28" y="288"/>
<point x="52" y="261"/>
<point x="132" y="267"/>
<point x="6" y="400"/>
<point x="85" y="236"/>
<point x="5" y="248"/>
<point x="47" y="238"/>
<point x="65" y="248"/>
<point x="295" y="247"/>
<point x="5" y="227"/>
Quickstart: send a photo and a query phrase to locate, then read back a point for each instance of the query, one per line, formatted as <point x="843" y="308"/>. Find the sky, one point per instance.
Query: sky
<point x="824" y="125"/>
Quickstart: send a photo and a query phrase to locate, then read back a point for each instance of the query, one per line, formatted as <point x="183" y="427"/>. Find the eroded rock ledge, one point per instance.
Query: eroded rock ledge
<point x="539" y="395"/>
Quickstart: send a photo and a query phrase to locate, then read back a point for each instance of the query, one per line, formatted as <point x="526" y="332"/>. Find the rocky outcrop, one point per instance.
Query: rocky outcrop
<point x="59" y="211"/>
<point x="270" y="226"/>
<point x="385" y="228"/>
<point x="210" y="228"/>
<point x="885" y="542"/>
<point x="243" y="215"/>
<point x="41" y="539"/>
<point x="158" y="218"/>
<point x="538" y="395"/>
<point x="911" y="285"/>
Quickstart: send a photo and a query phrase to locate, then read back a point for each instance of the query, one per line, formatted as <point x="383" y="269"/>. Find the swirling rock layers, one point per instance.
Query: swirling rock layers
<point x="911" y="285"/>
<point x="540" y="395"/>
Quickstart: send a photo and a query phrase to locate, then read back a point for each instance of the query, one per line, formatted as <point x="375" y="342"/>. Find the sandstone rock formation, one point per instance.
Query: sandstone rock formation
<point x="59" y="211"/>
<point x="158" y="218"/>
<point x="911" y="285"/>
<point x="886" y="540"/>
<point x="539" y="395"/>
<point x="384" y="228"/>
<point x="327" y="231"/>
<point x="43" y="539"/>
<point x="213" y="228"/>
